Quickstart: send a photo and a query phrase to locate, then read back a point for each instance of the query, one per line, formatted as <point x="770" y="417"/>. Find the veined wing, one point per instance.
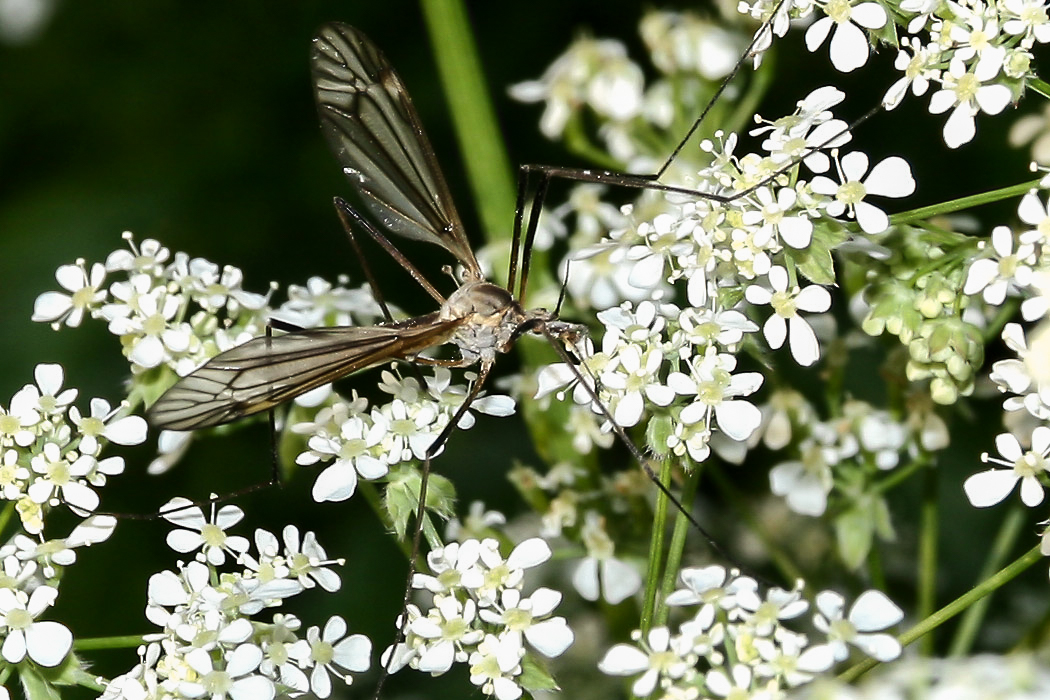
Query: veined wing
<point x="374" y="130"/>
<point x="267" y="371"/>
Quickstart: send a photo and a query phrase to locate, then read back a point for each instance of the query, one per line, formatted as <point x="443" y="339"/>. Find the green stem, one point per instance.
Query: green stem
<point x="654" y="567"/>
<point x="682" y="526"/>
<point x="908" y="217"/>
<point x="963" y="602"/>
<point x="929" y="530"/>
<point x="1004" y="542"/>
<point x="128" y="641"/>
<point x="1040" y="87"/>
<point x="477" y="131"/>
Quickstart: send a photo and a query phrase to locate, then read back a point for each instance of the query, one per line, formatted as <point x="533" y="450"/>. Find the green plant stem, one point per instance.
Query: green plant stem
<point x="963" y="602"/>
<point x="929" y="530"/>
<point x="909" y="217"/>
<point x="654" y="567"/>
<point x="1004" y="542"/>
<point x="682" y="526"/>
<point x="127" y="641"/>
<point x="477" y="131"/>
<point x="1040" y="87"/>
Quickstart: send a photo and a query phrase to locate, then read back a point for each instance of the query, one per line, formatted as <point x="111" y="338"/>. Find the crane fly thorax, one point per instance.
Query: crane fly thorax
<point x="491" y="318"/>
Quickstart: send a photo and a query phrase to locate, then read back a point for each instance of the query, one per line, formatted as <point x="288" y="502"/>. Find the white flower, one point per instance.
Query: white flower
<point x="654" y="657"/>
<point x="965" y="92"/>
<point x="1010" y="268"/>
<point x="233" y="676"/>
<point x="200" y="533"/>
<point x="331" y="650"/>
<point x="786" y="323"/>
<point x="849" y="43"/>
<point x="1027" y="466"/>
<point x="889" y="178"/>
<point x="355" y="450"/>
<point x="46" y="643"/>
<point x="806" y="482"/>
<point x="85" y="295"/>
<point x="872" y="611"/>
<point x="496" y="664"/>
<point x="600" y="574"/>
<point x="714" y="387"/>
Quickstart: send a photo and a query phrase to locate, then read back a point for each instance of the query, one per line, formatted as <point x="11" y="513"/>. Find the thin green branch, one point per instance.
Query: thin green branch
<point x="908" y="217"/>
<point x="963" y="602"/>
<point x="474" y="117"/>
<point x="929" y="530"/>
<point x="1004" y="543"/>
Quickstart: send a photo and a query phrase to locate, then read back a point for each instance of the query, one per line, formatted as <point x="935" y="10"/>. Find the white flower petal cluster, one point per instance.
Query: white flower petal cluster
<point x="738" y="642"/>
<point x="481" y="617"/>
<point x="365" y="443"/>
<point x="51" y="453"/>
<point x="211" y="645"/>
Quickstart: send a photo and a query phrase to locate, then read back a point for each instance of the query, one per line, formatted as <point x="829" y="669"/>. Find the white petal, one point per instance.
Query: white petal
<point x="890" y="178"/>
<point x="849" y="47"/>
<point x="50" y="306"/>
<point x="585" y="579"/>
<point x="184" y="541"/>
<point x="623" y="660"/>
<point x="775" y="331"/>
<point x="993" y="99"/>
<point x="354" y="653"/>
<point x="647" y="272"/>
<point x="14" y="649"/>
<point x="869" y="15"/>
<point x="550" y="637"/>
<point x="1031" y="491"/>
<point x="738" y="419"/>
<point x="987" y="488"/>
<point x="873" y="610"/>
<point x="48" y="642"/>
<point x="804" y="346"/>
<point x="336" y="483"/>
<point x="629" y="410"/>
<point x="959" y="128"/>
<point x="532" y="552"/>
<point x="879" y="646"/>
<point x="870" y="218"/>
<point x="817" y="32"/>
<point x="620" y="580"/>
<point x="813" y="298"/>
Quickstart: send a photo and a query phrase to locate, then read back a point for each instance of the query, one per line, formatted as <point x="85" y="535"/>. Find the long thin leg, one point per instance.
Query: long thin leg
<point x="766" y="27"/>
<point x="345" y="210"/>
<point x="424" y="477"/>
<point x="636" y="453"/>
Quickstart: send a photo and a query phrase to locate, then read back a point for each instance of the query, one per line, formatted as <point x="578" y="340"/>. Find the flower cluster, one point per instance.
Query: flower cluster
<point x="737" y="642"/>
<point x="210" y="643"/>
<point x="52" y="451"/>
<point x="172" y="312"/>
<point x="479" y="616"/>
<point x="977" y="54"/>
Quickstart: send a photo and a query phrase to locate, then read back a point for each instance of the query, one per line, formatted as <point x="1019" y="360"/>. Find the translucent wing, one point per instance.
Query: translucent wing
<point x="267" y="371"/>
<point x="374" y="130"/>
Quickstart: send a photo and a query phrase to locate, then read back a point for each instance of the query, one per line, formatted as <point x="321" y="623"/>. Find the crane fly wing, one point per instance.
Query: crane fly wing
<point x="376" y="135"/>
<point x="267" y="371"/>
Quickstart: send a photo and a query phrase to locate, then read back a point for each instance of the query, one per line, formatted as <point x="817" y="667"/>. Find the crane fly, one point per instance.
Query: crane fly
<point x="374" y="131"/>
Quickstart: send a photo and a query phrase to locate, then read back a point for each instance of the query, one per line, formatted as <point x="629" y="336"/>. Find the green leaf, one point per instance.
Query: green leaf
<point x="853" y="531"/>
<point x="35" y="685"/>
<point x="402" y="497"/>
<point x="815" y="262"/>
<point x="535" y="676"/>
